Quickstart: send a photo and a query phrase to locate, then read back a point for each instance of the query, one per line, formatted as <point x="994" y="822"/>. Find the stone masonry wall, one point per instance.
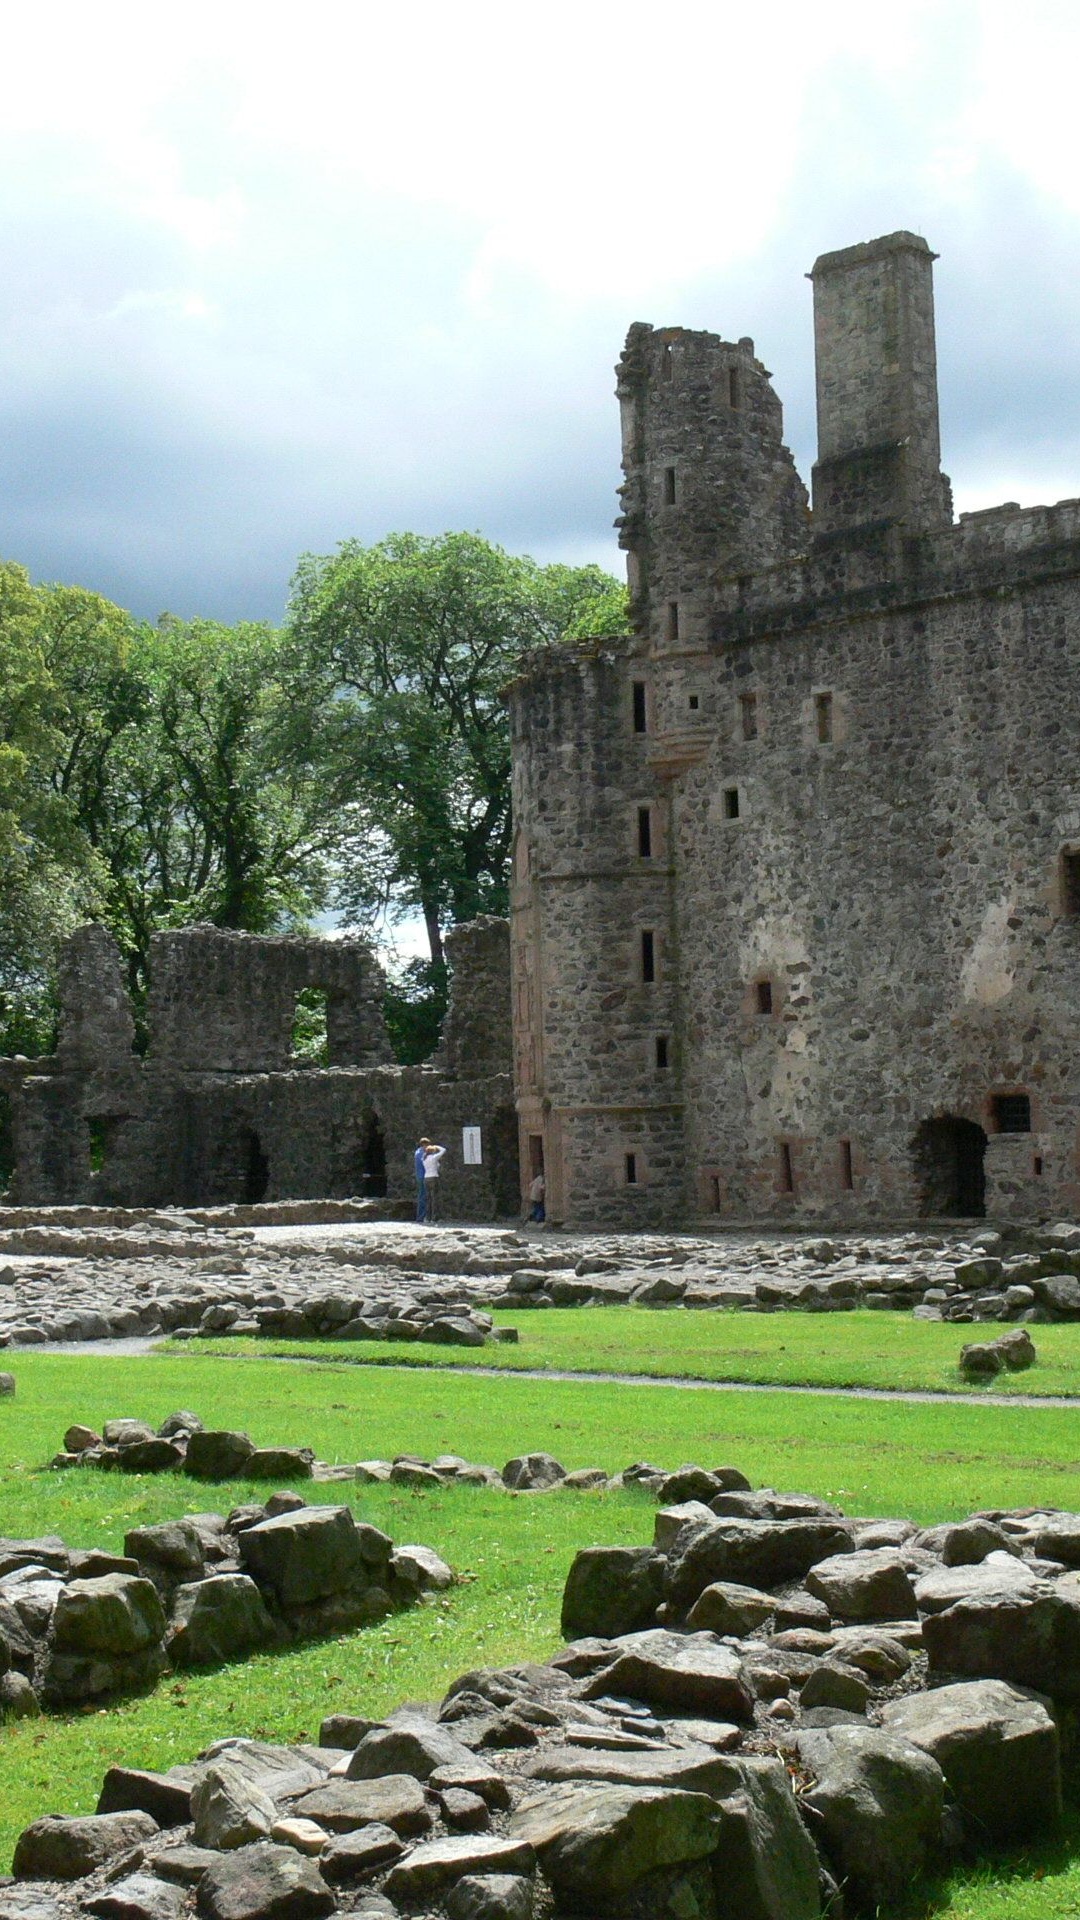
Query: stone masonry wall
<point x="862" y="859"/>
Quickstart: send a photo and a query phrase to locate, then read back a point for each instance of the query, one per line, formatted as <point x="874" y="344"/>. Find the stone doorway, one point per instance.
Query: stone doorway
<point x="372" y="1159"/>
<point x="505" y="1163"/>
<point x="255" y="1167"/>
<point x="948" y="1155"/>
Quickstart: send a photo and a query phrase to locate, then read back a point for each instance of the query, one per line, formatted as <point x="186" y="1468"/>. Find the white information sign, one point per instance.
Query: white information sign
<point x="471" y="1151"/>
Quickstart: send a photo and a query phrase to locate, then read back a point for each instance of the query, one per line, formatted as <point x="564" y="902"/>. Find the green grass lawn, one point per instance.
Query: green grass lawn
<point x="861" y="1349"/>
<point x="932" y="1462"/>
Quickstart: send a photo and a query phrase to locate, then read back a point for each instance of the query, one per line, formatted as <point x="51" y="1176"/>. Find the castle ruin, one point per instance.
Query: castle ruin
<point x="222" y="1112"/>
<point x="796" y="880"/>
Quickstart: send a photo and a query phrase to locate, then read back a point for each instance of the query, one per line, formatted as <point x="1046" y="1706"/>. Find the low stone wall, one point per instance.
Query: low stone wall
<point x="769" y="1708"/>
<point x="79" y="1627"/>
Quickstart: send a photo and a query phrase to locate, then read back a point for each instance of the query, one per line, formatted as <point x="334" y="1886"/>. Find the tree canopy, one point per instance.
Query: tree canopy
<point x="412" y="642"/>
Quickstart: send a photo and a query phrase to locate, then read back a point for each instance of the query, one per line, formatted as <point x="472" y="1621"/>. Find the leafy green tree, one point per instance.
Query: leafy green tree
<point x="411" y="643"/>
<point x="49" y="879"/>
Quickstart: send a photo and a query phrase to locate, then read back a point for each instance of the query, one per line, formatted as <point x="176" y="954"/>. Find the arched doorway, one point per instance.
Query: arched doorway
<point x="948" y="1156"/>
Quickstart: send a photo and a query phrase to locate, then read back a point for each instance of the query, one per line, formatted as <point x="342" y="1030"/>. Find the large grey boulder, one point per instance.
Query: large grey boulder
<point x="728" y="1608"/>
<point x="264" y="1882"/>
<point x="997" y="1746"/>
<point x="138" y="1896"/>
<point x="410" y="1745"/>
<point x="491" y="1896"/>
<point x="169" y="1553"/>
<point x="597" y="1845"/>
<point x="997" y="1574"/>
<point x="765" y="1866"/>
<point x="878" y="1801"/>
<point x="533" y="1473"/>
<point x="753" y="1553"/>
<point x="677" y="1672"/>
<point x="1029" y="1635"/>
<point x="118" y="1614"/>
<point x="165" y="1796"/>
<point x="220" y="1455"/>
<point x="394" y="1800"/>
<point x="305" y="1556"/>
<point x="57" y="1849"/>
<point x="869" y="1584"/>
<point x="426" y="1873"/>
<point x="228" y="1809"/>
<point x="222" y="1618"/>
<point x="612" y="1590"/>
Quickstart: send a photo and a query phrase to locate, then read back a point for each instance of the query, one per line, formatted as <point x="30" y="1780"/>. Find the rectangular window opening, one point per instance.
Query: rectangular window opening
<point x="823" y="716"/>
<point x="693" y="702"/>
<point x="673" y="620"/>
<point x="787" y="1168"/>
<point x="731" y="803"/>
<point x="308" y="1041"/>
<point x="748" y="715"/>
<point x="714" y="1192"/>
<point x="631" y="1169"/>
<point x="644" y="833"/>
<point x="101" y="1132"/>
<point x="1037" y="1166"/>
<point x="669" y="486"/>
<point x="847" y="1170"/>
<point x="640" y="717"/>
<point x="661" y="1052"/>
<point x="764" y="996"/>
<point x="1011" y="1112"/>
<point x="648" y="956"/>
<point x="1070" y="881"/>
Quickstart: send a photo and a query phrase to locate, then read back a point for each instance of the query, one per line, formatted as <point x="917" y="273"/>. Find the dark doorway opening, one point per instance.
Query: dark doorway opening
<point x="536" y="1154"/>
<point x="505" y="1162"/>
<point x="949" y="1162"/>
<point x="372" y="1159"/>
<point x="7" y="1143"/>
<point x="255" y="1167"/>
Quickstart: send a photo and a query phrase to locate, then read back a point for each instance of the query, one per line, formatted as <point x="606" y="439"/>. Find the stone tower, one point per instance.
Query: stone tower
<point x="710" y="489"/>
<point x="879" y="450"/>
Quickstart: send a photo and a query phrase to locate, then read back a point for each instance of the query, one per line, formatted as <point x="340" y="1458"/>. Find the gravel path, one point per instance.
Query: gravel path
<point x="139" y="1346"/>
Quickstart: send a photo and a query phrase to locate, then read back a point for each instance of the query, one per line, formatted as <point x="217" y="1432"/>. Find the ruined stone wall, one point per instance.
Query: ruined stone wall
<point x="225" y="1002"/>
<point x="96" y="1124"/>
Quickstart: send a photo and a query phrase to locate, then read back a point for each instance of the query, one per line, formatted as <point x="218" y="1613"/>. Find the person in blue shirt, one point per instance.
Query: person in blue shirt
<point x="421" y="1190"/>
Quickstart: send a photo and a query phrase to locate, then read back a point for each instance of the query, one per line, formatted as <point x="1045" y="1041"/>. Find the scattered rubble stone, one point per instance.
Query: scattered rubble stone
<point x="801" y="1745"/>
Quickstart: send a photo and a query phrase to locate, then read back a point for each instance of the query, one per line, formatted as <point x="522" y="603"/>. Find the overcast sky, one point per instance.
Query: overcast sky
<point x="275" y="276"/>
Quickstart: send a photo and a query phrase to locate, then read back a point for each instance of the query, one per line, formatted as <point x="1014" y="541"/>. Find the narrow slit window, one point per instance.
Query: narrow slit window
<point x="1070" y="881"/>
<point x="714" y="1191"/>
<point x="661" y="1053"/>
<point x="673" y="620"/>
<point x="748" y="715"/>
<point x="665" y="363"/>
<point x="847" y="1169"/>
<point x="693" y="702"/>
<point x="644" y="832"/>
<point x="823" y="716"/>
<point x="630" y="1166"/>
<point x="1037" y="1166"/>
<point x="787" y="1168"/>
<point x="640" y="715"/>
<point x="733" y="388"/>
<point x="764" y="996"/>
<point x="648" y="955"/>
<point x="1011" y="1112"/>
<point x="731" y="803"/>
<point x="669" y="486"/>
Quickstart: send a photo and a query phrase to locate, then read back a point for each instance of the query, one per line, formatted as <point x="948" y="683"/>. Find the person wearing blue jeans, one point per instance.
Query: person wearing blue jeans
<point x="421" y="1190"/>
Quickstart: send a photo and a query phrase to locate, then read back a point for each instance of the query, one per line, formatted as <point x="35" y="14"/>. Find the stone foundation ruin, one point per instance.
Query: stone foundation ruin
<point x="221" y="1111"/>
